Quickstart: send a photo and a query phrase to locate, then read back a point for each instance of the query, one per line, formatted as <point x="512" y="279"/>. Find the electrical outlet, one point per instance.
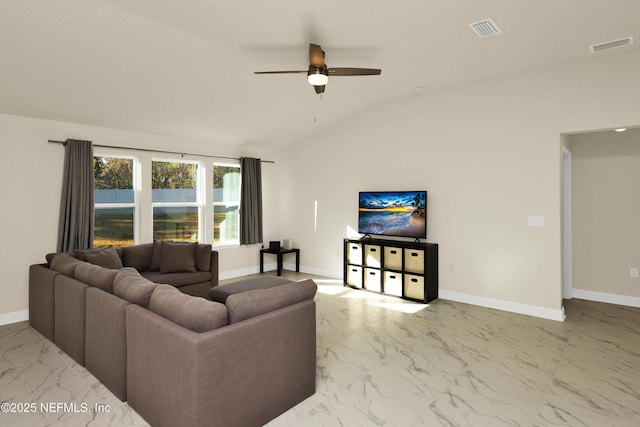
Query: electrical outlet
<point x="634" y="272"/>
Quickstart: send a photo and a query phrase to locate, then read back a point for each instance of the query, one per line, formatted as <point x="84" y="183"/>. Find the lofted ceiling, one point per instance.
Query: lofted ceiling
<point x="186" y="67"/>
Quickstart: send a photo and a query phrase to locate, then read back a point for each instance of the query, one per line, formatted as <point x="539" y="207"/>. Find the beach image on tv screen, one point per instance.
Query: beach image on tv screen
<point x="401" y="213"/>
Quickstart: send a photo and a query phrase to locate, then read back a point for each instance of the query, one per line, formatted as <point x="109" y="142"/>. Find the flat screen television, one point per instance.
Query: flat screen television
<point x="393" y="213"/>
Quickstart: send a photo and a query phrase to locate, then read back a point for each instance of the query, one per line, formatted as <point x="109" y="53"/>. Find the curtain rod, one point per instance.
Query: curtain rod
<point x="159" y="151"/>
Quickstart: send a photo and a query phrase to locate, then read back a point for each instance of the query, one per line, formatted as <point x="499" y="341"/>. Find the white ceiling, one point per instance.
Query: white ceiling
<point x="186" y="67"/>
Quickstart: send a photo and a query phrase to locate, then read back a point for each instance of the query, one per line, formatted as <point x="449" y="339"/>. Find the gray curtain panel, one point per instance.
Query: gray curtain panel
<point x="250" y="201"/>
<point x="75" y="229"/>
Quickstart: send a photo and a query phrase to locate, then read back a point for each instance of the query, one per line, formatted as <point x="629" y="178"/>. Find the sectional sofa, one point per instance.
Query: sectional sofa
<point x="179" y="359"/>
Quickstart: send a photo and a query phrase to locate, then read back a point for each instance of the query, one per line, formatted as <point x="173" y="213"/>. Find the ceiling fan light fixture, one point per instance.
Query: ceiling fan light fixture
<point x="317" y="77"/>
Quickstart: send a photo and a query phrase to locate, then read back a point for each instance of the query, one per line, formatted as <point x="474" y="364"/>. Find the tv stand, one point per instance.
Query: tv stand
<point x="405" y="269"/>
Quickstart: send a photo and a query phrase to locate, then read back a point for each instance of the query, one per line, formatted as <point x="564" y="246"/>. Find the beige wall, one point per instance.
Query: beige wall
<point x="606" y="211"/>
<point x="31" y="176"/>
<point x="490" y="156"/>
<point x="488" y="153"/>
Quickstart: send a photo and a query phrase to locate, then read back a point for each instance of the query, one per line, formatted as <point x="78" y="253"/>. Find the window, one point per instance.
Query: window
<point x="226" y="204"/>
<point x="115" y="204"/>
<point x="175" y="200"/>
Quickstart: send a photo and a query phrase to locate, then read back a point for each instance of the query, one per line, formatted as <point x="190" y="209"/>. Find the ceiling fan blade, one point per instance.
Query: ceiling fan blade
<point x="316" y="55"/>
<point x="319" y="89"/>
<point x="280" y="72"/>
<point x="345" y="71"/>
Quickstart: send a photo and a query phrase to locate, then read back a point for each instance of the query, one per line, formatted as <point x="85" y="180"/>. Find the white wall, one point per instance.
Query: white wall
<point x="490" y="156"/>
<point x="31" y="177"/>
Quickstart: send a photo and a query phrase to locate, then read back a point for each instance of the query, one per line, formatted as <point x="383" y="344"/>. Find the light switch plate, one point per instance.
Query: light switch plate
<point x="536" y="221"/>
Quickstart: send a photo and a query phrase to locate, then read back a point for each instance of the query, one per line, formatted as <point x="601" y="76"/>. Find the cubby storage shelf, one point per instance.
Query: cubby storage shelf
<point x="404" y="269"/>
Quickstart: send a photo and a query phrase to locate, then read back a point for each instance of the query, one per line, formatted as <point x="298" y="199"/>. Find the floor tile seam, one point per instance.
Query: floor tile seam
<point x="22" y="382"/>
<point x="496" y="405"/>
<point x="548" y="399"/>
<point x="44" y="386"/>
<point x="555" y="403"/>
<point x="28" y="398"/>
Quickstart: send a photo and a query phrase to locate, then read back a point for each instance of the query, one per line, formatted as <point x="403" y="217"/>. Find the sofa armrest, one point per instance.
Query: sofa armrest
<point x="41" y="299"/>
<point x="243" y="374"/>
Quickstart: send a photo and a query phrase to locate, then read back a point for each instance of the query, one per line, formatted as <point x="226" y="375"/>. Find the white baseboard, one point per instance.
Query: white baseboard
<point x="15" y="317"/>
<point x="272" y="266"/>
<point x="224" y="275"/>
<point x="513" y="307"/>
<point x="604" y="297"/>
<point x="316" y="271"/>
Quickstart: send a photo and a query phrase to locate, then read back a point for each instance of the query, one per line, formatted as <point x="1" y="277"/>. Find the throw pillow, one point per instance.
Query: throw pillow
<point x="81" y="254"/>
<point x="138" y="256"/>
<point x="156" y="255"/>
<point x="178" y="257"/>
<point x="107" y="258"/>
<point x="203" y="257"/>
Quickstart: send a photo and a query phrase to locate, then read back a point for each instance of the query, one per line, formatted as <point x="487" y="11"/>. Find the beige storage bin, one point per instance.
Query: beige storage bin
<point x="393" y="283"/>
<point x="354" y="253"/>
<point x="392" y="258"/>
<point x="354" y="276"/>
<point x="414" y="260"/>
<point x="372" y="255"/>
<point x="372" y="280"/>
<point x="414" y="286"/>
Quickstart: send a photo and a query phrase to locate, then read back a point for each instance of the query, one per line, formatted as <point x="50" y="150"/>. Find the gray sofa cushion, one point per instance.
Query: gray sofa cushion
<point x="196" y="314"/>
<point x="131" y="286"/>
<point x="137" y="256"/>
<point x="250" y="304"/>
<point x="178" y="257"/>
<point x="65" y="263"/>
<point x="96" y="276"/>
<point x="107" y="258"/>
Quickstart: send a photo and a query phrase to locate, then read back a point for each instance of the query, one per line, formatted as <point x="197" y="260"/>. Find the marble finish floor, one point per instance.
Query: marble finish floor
<point x="383" y="361"/>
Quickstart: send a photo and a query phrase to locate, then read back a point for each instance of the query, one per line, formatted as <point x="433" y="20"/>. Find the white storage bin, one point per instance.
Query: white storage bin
<point x="372" y="255"/>
<point x="354" y="276"/>
<point x="392" y="258"/>
<point x="414" y="260"/>
<point x="372" y="279"/>
<point x="393" y="283"/>
<point x="414" y="286"/>
<point x="354" y="253"/>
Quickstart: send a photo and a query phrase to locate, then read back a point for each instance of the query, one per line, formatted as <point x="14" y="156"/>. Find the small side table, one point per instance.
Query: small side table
<point x="278" y="254"/>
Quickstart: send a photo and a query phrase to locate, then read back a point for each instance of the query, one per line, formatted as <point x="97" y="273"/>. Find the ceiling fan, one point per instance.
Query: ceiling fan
<point x="318" y="72"/>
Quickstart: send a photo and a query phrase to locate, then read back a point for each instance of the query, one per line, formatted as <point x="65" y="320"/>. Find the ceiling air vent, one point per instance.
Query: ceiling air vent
<point x="610" y="45"/>
<point x="485" y="28"/>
